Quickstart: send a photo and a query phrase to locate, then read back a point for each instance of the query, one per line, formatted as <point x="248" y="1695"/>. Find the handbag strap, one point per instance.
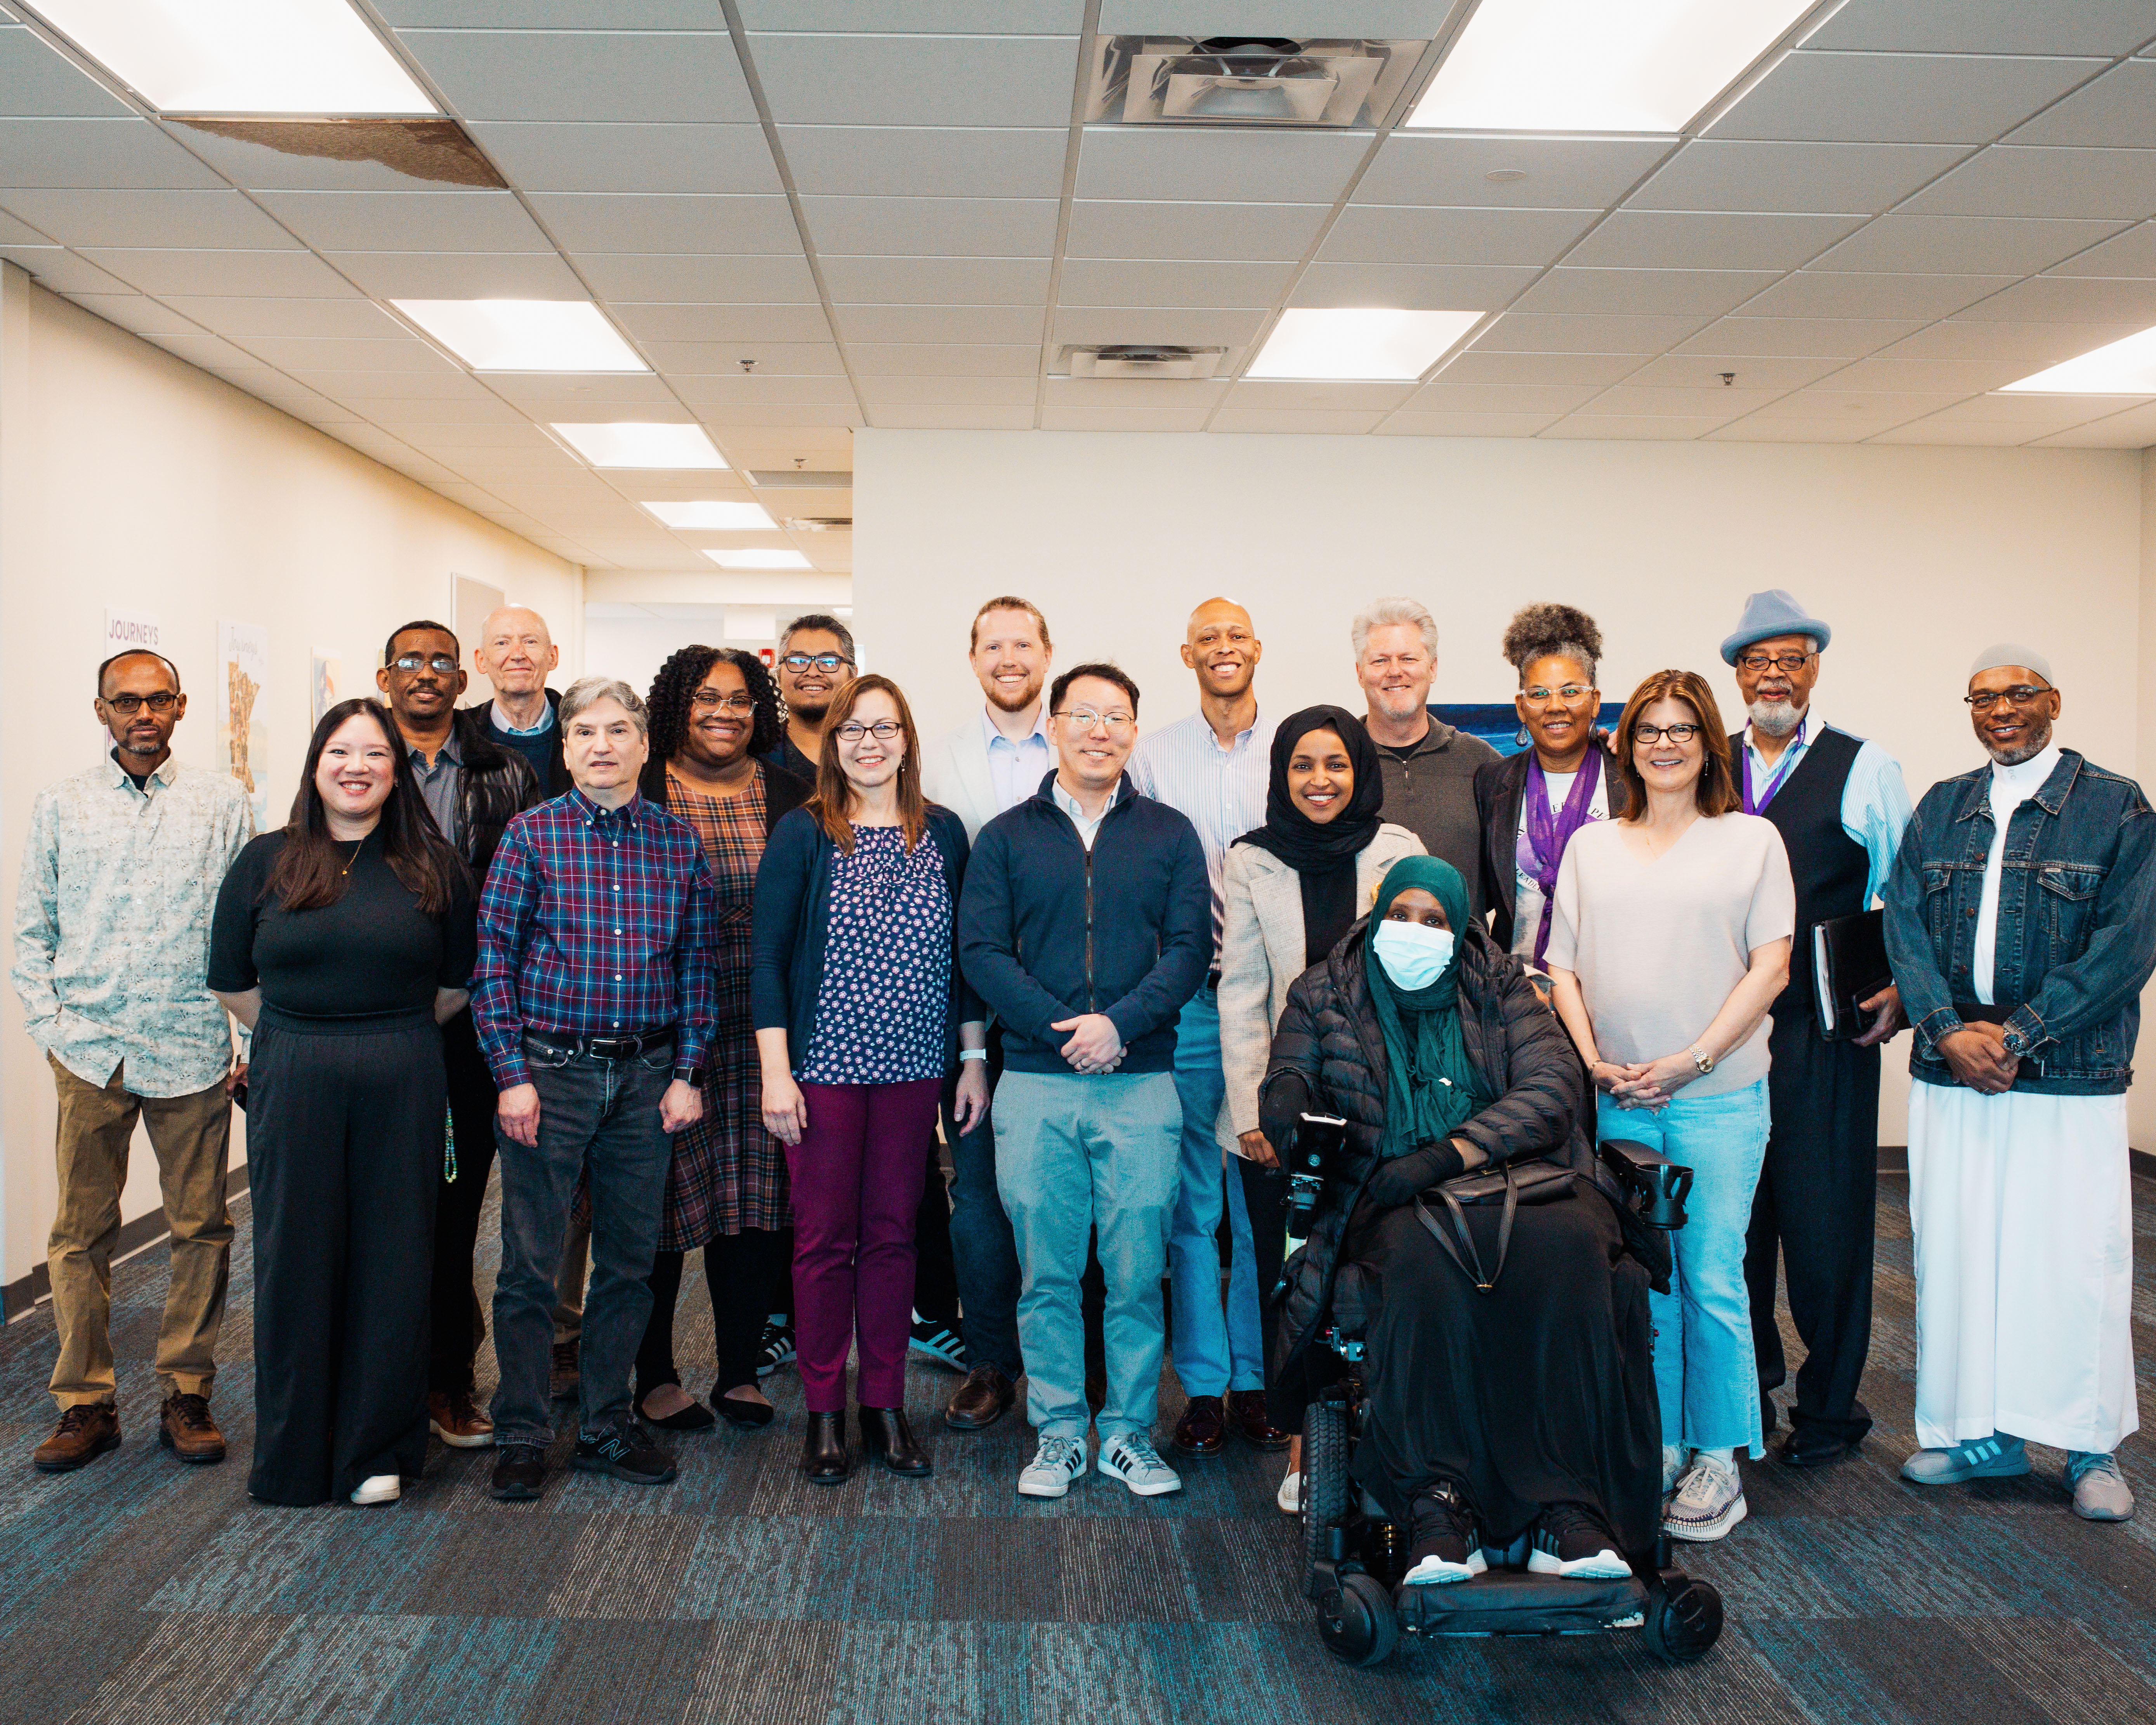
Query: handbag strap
<point x="1484" y="1283"/>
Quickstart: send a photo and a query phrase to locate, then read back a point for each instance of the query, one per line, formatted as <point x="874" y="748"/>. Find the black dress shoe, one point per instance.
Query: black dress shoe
<point x="737" y="1412"/>
<point x="695" y="1417"/>
<point x="520" y="1473"/>
<point x="984" y="1398"/>
<point x="1807" y="1446"/>
<point x="886" y="1435"/>
<point x="823" y="1457"/>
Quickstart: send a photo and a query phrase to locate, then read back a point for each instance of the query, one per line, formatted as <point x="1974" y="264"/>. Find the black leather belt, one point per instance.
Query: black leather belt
<point x="1975" y="1012"/>
<point x="1212" y="980"/>
<point x="603" y="1048"/>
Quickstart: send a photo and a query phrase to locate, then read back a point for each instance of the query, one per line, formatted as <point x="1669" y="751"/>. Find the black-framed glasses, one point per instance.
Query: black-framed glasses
<point x="1657" y="733"/>
<point x="705" y="700"/>
<point x="1790" y="663"/>
<point x="2020" y="694"/>
<point x="162" y="701"/>
<point x="852" y="731"/>
<point x="826" y="662"/>
<point x="1567" y="692"/>
<point x="441" y="662"/>
<point x="1084" y="718"/>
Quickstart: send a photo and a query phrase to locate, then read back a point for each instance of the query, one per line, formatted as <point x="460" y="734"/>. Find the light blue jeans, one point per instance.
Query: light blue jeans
<point x="1215" y="1351"/>
<point x="1704" y="1367"/>
<point x="1078" y="1156"/>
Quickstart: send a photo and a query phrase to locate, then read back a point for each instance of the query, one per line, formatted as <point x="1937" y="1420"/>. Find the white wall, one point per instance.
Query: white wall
<point x="1917" y="558"/>
<point x="128" y="479"/>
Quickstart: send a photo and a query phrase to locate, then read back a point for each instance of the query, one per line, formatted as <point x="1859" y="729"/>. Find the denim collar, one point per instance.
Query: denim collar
<point x="2050" y="795"/>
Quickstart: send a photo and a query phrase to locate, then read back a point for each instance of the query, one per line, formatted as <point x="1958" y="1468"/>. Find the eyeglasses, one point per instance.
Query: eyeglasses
<point x="799" y="662"/>
<point x="1791" y="663"/>
<point x="161" y="702"/>
<point x="1655" y="733"/>
<point x="704" y="700"/>
<point x="1541" y="697"/>
<point x="1086" y="719"/>
<point x="852" y="731"/>
<point x="2020" y="694"/>
<point x="415" y="661"/>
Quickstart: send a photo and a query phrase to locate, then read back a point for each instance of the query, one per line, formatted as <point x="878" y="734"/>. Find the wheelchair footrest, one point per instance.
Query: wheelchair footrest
<point x="1511" y="1602"/>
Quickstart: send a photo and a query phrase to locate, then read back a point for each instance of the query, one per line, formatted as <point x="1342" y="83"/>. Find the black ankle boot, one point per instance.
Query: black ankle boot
<point x="823" y="1457"/>
<point x="884" y="1433"/>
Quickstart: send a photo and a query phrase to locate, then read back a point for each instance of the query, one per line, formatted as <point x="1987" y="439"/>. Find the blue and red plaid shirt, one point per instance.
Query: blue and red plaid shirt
<point x="595" y="922"/>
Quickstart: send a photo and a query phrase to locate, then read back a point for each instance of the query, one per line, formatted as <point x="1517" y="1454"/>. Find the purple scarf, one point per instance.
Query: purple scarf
<point x="1542" y="842"/>
<point x="1759" y="805"/>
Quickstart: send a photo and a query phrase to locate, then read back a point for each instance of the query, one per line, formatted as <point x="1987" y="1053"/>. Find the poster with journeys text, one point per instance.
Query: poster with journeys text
<point x="242" y="658"/>
<point x="127" y="632"/>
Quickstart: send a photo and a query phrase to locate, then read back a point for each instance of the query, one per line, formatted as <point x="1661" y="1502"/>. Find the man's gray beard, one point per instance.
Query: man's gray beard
<point x="2030" y="746"/>
<point x="1777" y="718"/>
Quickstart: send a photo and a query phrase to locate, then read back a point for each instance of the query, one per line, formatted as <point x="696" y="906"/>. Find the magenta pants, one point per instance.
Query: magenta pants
<point x="857" y="1177"/>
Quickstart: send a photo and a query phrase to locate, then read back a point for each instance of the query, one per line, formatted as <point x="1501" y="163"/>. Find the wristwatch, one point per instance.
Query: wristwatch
<point x="1703" y="1061"/>
<point x="693" y="1075"/>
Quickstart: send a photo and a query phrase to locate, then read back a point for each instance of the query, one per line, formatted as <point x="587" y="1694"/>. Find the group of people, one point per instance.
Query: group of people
<point x="715" y="967"/>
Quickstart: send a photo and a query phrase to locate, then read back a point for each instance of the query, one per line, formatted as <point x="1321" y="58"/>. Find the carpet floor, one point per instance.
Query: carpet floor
<point x="138" y="1589"/>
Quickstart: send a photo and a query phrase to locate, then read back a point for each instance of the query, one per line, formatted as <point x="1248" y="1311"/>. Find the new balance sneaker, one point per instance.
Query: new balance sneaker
<point x="1444" y="1543"/>
<point x="1132" y="1459"/>
<point x="1708" y="1502"/>
<point x="1996" y="1457"/>
<point x="1571" y="1540"/>
<point x="934" y="1341"/>
<point x="623" y="1451"/>
<point x="2101" y="1493"/>
<point x="1057" y="1463"/>
<point x="775" y="1350"/>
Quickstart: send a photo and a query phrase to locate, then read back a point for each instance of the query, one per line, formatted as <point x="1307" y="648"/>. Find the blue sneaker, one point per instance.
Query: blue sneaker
<point x="1996" y="1457"/>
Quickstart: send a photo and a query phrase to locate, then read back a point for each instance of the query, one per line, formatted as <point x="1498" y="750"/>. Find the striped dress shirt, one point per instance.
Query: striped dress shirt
<point x="1221" y="792"/>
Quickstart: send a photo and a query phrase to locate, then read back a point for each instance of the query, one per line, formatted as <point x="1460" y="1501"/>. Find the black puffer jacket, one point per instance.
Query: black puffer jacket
<point x="1328" y="1036"/>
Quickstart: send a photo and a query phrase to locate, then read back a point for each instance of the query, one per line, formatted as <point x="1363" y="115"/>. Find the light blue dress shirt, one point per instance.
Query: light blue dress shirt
<point x="1875" y="803"/>
<point x="1222" y="792"/>
<point x="1016" y="769"/>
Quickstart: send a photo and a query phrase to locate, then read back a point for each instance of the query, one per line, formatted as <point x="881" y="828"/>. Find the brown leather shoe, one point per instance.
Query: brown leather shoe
<point x="86" y="1431"/>
<point x="1203" y="1430"/>
<point x="562" y="1381"/>
<point x="984" y="1398"/>
<point x="455" y="1418"/>
<point x="1248" y="1419"/>
<point x="184" y="1427"/>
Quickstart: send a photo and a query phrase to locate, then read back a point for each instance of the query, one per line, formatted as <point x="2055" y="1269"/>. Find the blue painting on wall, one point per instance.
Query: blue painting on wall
<point x="1498" y="723"/>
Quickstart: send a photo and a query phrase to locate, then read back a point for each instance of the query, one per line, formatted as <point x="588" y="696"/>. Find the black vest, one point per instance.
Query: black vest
<point x="1831" y="870"/>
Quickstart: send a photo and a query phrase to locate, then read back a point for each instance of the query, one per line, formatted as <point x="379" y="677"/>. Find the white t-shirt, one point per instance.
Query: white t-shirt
<point x="2010" y="788"/>
<point x="1527" y="895"/>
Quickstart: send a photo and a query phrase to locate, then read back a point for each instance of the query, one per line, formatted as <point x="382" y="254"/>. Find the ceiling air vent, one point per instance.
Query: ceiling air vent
<point x="1247" y="80"/>
<point x="1141" y="360"/>
<point x="796" y="479"/>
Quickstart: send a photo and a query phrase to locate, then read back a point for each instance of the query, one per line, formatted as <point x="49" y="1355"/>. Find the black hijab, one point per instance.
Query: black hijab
<point x="1322" y="853"/>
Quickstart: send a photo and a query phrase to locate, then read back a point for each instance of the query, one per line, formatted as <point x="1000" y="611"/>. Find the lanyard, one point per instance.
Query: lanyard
<point x="1759" y="805"/>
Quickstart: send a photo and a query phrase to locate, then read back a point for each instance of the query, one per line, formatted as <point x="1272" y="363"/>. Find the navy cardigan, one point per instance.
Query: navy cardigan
<point x="792" y="925"/>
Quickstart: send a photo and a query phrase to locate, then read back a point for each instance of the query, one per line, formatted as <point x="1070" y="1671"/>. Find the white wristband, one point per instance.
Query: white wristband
<point x="973" y="1054"/>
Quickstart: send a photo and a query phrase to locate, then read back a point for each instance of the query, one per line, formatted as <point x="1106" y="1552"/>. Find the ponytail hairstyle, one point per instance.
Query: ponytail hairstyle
<point x="1544" y="631"/>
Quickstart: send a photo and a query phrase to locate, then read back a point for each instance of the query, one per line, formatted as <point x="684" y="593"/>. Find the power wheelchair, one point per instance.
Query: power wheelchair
<point x="1354" y="1554"/>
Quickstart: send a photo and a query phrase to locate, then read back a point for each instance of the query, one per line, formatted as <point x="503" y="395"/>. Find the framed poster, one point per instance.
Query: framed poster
<point x="322" y="687"/>
<point x="243" y="656"/>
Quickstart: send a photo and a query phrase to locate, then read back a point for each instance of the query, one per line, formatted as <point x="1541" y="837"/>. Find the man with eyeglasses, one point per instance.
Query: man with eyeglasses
<point x="121" y="864"/>
<point x="1085" y="925"/>
<point x="516" y="653"/>
<point x="1840" y="804"/>
<point x="816" y="659"/>
<point x="2021" y="925"/>
<point x="474" y="788"/>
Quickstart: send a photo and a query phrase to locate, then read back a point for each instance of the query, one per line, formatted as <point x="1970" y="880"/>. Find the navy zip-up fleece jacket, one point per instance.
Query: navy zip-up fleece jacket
<point x="1047" y="930"/>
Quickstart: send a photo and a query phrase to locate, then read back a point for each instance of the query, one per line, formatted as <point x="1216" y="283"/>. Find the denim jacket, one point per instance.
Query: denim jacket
<point x="2077" y="932"/>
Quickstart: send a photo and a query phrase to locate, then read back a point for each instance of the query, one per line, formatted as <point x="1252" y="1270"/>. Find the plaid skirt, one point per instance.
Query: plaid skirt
<point x="728" y="1173"/>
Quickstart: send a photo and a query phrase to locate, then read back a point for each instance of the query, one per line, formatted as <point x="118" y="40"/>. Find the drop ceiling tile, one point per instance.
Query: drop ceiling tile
<point x="1876" y="408"/>
<point x="1848" y="338"/>
<point x="460" y="275"/>
<point x="604" y="222"/>
<point x="645" y="278"/>
<point x="1154" y="419"/>
<point x="2015" y="245"/>
<point x="407" y="221"/>
<point x="695" y="322"/>
<point x="939" y="17"/>
<point x="586" y="74"/>
<point x="1292" y="423"/>
<point x="2035" y="345"/>
<point x="195" y="220"/>
<point x="1958" y="433"/>
<point x="1617" y="427"/>
<point x="2071" y="299"/>
<point x="62" y="271"/>
<point x="2132" y="253"/>
<point x="2119" y="185"/>
<point x="1637" y="400"/>
<point x="1162" y="231"/>
<point x="1643" y="292"/>
<point x="917" y="81"/>
<point x="394" y="411"/>
<point x="1547" y="400"/>
<point x="518" y="435"/>
<point x="1007" y="324"/>
<point x="553" y="14"/>
<point x="1903" y="376"/>
<point x="1566" y="332"/>
<point x="1431" y="287"/>
<point x="917" y="418"/>
<point x="1899" y="98"/>
<point x="1162" y="393"/>
<point x="552" y="396"/>
<point x="2118" y="109"/>
<point x="1821" y="293"/>
<point x="2134" y="429"/>
<point x="1789" y="431"/>
<point x="1410" y="424"/>
<point x="1096" y="282"/>
<point x="346" y="353"/>
<point x="1748" y="371"/>
<point x="1479" y="365"/>
<point x="546" y="156"/>
<point x="1145" y="164"/>
<point x="244" y="315"/>
<point x="1670" y="240"/>
<point x="755" y="390"/>
<point x="1092" y="325"/>
<point x="137" y="312"/>
<point x="922" y="359"/>
<point x="38" y="80"/>
<point x="210" y="352"/>
<point x="1560" y="173"/>
<point x="1745" y="174"/>
<point x="878" y="393"/>
<point x="1395" y="233"/>
<point x="285" y="274"/>
<point x="13" y="231"/>
<point x="925" y="161"/>
<point x="933" y="227"/>
<point x="1282" y="395"/>
<point x="2096" y="27"/>
<point x="936" y="281"/>
<point x="365" y="385"/>
<point x="119" y="153"/>
<point x="723" y="359"/>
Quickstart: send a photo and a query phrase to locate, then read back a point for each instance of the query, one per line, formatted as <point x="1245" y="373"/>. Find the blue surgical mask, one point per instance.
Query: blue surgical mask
<point x="1414" y="956"/>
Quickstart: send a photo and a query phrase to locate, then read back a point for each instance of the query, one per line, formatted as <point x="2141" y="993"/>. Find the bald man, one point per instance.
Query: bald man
<point x="516" y="653"/>
<point x="1213" y="767"/>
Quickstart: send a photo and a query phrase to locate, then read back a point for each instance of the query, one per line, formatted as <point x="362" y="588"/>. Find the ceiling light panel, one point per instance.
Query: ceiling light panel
<point x="1351" y="342"/>
<point x="641" y="444"/>
<point x="228" y="56"/>
<point x="524" y="335"/>
<point x="2127" y="367"/>
<point x="709" y="515"/>
<point x="1587" y="66"/>
<point x="758" y="559"/>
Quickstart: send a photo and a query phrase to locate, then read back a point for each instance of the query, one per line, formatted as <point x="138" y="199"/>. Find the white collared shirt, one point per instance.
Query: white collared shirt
<point x="1875" y="803"/>
<point x="1221" y="792"/>
<point x="1015" y="769"/>
<point x="500" y="720"/>
<point x="1087" y="824"/>
<point x="2010" y="788"/>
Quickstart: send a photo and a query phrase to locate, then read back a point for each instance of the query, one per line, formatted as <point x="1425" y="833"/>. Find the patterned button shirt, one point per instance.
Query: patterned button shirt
<point x="112" y="924"/>
<point x="595" y="922"/>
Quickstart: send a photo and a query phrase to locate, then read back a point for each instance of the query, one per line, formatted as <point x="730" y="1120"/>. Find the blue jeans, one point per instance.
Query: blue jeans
<point x="598" y="1119"/>
<point x="983" y="1253"/>
<point x="1215" y="1351"/>
<point x="1705" y="1371"/>
<point x="1076" y="1156"/>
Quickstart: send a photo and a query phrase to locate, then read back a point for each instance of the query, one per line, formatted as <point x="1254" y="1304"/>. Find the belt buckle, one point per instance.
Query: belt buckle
<point x="612" y="1048"/>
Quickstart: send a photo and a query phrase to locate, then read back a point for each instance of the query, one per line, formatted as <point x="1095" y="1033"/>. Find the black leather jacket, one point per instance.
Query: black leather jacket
<point x="495" y="785"/>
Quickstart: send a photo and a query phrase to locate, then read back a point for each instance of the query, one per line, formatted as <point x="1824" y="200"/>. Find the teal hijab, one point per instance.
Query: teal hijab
<point x="1433" y="1086"/>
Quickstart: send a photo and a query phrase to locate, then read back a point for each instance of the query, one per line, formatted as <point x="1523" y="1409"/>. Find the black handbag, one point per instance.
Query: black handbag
<point x="1542" y="1182"/>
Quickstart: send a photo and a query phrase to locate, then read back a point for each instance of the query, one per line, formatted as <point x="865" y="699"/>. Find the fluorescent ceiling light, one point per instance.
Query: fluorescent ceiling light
<point x="758" y="559"/>
<point x="242" y="56"/>
<point x="1590" y="65"/>
<point x="713" y="517"/>
<point x="2127" y="367"/>
<point x="636" y="444"/>
<point x="525" y="335"/>
<point x="1359" y="343"/>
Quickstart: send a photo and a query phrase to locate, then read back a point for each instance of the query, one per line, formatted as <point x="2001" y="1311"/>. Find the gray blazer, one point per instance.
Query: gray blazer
<point x="954" y="771"/>
<point x="1261" y="953"/>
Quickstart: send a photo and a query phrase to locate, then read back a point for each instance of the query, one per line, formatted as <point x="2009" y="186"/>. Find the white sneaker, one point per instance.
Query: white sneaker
<point x="1289" y="1496"/>
<point x="1708" y="1502"/>
<point x="1057" y="1463"/>
<point x="2101" y="1493"/>
<point x="379" y="1488"/>
<point x="1132" y="1459"/>
<point x="1673" y="1456"/>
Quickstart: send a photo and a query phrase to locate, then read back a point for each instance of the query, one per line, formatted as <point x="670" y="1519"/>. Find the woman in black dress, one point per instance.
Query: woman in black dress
<point x="343" y="942"/>
<point x="1527" y="1406"/>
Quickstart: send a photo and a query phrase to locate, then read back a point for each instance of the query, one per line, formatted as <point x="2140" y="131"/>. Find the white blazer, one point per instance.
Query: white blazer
<point x="954" y="773"/>
<point x="1261" y="953"/>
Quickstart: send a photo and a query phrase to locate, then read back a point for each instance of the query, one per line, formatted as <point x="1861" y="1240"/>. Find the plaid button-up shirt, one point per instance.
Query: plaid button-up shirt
<point x="595" y="922"/>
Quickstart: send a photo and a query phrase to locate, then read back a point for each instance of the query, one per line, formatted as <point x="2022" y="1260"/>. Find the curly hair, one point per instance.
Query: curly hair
<point x="675" y="687"/>
<point x="1540" y="630"/>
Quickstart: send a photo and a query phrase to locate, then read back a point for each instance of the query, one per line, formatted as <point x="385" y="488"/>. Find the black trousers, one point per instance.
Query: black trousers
<point x="1816" y="1203"/>
<point x="1265" y="1197"/>
<point x="344" y="1150"/>
<point x="458" y="1324"/>
<point x="737" y="1270"/>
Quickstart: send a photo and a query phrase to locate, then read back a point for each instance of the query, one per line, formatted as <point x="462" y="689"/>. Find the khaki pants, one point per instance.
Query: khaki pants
<point x="190" y="1135"/>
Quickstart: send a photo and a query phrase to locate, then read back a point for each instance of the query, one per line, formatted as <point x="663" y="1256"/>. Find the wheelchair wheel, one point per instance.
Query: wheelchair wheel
<point x="1357" y="1623"/>
<point x="1324" y="1478"/>
<point x="1684" y="1619"/>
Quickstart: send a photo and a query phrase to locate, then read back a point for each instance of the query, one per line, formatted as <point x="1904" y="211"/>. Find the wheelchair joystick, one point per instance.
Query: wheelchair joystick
<point x="1667" y="1186"/>
<point x="1317" y="1139"/>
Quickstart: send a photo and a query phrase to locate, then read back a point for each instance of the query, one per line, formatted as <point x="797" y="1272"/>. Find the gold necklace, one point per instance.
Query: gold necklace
<point x="350" y="859"/>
